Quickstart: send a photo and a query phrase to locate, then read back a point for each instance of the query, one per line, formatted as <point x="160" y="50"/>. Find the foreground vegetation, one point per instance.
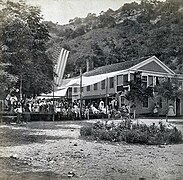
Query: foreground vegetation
<point x="132" y="133"/>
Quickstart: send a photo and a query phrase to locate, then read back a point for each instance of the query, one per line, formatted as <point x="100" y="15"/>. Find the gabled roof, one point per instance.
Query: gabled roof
<point x="114" y="67"/>
<point x="129" y="65"/>
<point x="157" y="66"/>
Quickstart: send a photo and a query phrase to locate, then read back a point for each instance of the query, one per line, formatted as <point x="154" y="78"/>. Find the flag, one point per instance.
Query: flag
<point x="60" y="66"/>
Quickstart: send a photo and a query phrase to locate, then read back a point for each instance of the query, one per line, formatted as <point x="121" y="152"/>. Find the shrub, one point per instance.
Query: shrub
<point x="104" y="135"/>
<point x="175" y="136"/>
<point x="125" y="131"/>
<point x="86" y="131"/>
<point x="98" y="125"/>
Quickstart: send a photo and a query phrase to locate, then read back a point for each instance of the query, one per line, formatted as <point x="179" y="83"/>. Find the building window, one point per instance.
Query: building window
<point x="70" y="92"/>
<point x="122" y="100"/>
<point x="132" y="77"/>
<point x="111" y="82"/>
<point x="157" y="81"/>
<point x="1" y="105"/>
<point x="88" y="88"/>
<point x="120" y="80"/>
<point x="160" y="103"/>
<point x="144" y="81"/>
<point x="95" y="86"/>
<point x="75" y="90"/>
<point x="180" y="85"/>
<point x="145" y="102"/>
<point x="103" y="84"/>
<point x="150" y="79"/>
<point x="125" y="79"/>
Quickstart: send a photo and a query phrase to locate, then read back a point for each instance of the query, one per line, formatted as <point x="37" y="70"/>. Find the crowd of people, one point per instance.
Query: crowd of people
<point x="64" y="110"/>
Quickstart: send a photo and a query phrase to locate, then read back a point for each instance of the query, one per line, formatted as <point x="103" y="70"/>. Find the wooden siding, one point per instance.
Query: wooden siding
<point x="153" y="66"/>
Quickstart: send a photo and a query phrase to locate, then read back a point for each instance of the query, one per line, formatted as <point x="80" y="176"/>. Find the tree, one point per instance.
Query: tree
<point x="97" y="57"/>
<point x="168" y="88"/>
<point x="131" y="9"/>
<point x="25" y="36"/>
<point x="137" y="91"/>
<point x="106" y="20"/>
<point x="7" y="80"/>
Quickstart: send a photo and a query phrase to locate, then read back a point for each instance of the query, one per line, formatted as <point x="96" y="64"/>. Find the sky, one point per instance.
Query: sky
<point x="62" y="11"/>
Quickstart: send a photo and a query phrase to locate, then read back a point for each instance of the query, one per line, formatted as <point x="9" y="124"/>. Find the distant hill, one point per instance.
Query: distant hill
<point x="131" y="32"/>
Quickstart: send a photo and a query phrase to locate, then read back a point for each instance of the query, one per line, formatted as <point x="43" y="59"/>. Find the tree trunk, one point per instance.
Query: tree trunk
<point x="134" y="113"/>
<point x="167" y="111"/>
<point x="1" y="118"/>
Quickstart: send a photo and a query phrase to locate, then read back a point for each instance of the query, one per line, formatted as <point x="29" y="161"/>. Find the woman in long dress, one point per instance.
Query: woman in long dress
<point x="171" y="111"/>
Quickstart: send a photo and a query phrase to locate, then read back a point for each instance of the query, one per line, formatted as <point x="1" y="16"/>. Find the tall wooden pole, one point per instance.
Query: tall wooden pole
<point x="53" y="98"/>
<point x="106" y="96"/>
<point x="87" y="65"/>
<point x="81" y="103"/>
<point x="21" y="97"/>
<point x="20" y="87"/>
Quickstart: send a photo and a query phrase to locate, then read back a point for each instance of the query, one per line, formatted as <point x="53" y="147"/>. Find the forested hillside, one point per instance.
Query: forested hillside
<point x="133" y="31"/>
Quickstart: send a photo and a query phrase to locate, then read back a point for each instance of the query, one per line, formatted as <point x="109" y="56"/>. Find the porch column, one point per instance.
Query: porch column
<point x="128" y="80"/>
<point x="175" y="107"/>
<point x="128" y="75"/>
<point x="115" y="84"/>
<point x="154" y="81"/>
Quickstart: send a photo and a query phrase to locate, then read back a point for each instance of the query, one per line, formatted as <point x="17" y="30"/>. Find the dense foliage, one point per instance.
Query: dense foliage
<point x="7" y="80"/>
<point x="132" y="133"/>
<point x="133" y="31"/>
<point x="23" y="38"/>
<point x="138" y="90"/>
<point x="168" y="88"/>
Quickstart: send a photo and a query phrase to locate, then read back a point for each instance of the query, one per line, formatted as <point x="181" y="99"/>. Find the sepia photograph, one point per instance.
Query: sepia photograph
<point x="91" y="89"/>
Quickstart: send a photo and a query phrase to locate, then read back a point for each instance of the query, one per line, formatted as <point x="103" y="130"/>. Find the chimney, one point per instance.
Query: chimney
<point x="87" y="65"/>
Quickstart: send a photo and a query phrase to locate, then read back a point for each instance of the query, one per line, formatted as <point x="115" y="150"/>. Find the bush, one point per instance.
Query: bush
<point x="175" y="136"/>
<point x="137" y="136"/>
<point x="86" y="131"/>
<point x="135" y="133"/>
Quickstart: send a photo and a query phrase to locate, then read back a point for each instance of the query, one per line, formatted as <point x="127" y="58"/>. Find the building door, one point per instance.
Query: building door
<point x="178" y="107"/>
<point x="1" y="105"/>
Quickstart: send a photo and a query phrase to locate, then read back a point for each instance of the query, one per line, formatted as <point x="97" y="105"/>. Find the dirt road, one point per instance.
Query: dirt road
<point x="54" y="150"/>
